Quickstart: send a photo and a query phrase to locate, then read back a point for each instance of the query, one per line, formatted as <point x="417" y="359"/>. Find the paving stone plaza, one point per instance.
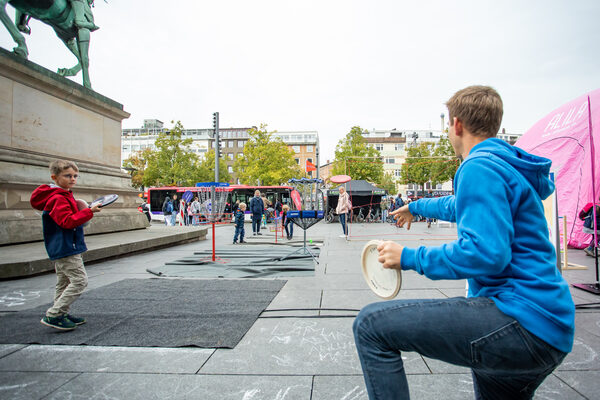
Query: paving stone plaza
<point x="298" y="354"/>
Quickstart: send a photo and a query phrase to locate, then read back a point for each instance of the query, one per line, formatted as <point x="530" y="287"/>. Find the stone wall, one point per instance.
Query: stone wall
<point x="44" y="116"/>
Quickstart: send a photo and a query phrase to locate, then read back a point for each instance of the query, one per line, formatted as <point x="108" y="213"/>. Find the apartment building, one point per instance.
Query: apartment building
<point x="304" y="144"/>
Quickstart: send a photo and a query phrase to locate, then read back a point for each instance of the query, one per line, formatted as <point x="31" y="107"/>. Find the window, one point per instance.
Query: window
<point x="438" y="186"/>
<point x="390" y="160"/>
<point x="309" y="160"/>
<point x="240" y="143"/>
<point x="240" y="155"/>
<point x="397" y="173"/>
<point x="399" y="146"/>
<point x="296" y="149"/>
<point x="297" y="161"/>
<point x="230" y="143"/>
<point x="230" y="156"/>
<point x="230" y="169"/>
<point x="309" y="149"/>
<point x="379" y="146"/>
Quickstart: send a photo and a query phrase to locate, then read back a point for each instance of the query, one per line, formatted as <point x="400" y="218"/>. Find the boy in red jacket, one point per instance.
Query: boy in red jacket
<point x="63" y="236"/>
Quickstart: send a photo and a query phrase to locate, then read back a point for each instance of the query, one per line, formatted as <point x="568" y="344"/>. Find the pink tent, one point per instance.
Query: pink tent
<point x="566" y="136"/>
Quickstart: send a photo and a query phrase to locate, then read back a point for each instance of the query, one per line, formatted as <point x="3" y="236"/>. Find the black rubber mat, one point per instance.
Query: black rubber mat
<point x="153" y="313"/>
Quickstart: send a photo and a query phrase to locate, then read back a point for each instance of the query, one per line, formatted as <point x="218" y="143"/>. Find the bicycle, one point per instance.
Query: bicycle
<point x="369" y="217"/>
<point x="331" y="216"/>
<point x="360" y="217"/>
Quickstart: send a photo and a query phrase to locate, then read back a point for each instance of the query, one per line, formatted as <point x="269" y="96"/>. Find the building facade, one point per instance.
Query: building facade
<point x="304" y="144"/>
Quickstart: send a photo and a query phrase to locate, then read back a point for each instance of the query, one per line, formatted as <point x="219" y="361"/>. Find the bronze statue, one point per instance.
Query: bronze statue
<point x="72" y="20"/>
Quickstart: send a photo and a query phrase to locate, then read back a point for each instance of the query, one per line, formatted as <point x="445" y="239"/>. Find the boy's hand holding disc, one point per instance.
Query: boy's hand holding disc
<point x="390" y="254"/>
<point x="384" y="282"/>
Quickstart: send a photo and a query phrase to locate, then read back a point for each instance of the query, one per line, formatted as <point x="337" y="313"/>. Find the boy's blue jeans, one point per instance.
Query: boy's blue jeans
<point x="239" y="231"/>
<point x="507" y="362"/>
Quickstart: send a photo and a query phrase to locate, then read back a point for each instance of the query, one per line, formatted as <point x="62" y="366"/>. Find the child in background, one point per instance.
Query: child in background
<point x="63" y="236"/>
<point x="286" y="222"/>
<point x="239" y="223"/>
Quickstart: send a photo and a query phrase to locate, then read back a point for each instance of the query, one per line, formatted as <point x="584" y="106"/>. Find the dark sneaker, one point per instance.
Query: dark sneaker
<point x="243" y="241"/>
<point x="589" y="251"/>
<point x="234" y="242"/>
<point x="76" y="320"/>
<point x="258" y="233"/>
<point x="61" y="323"/>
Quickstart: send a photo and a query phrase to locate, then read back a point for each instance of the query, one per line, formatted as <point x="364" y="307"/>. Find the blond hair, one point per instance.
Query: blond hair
<point x="242" y="205"/>
<point x="285" y="208"/>
<point x="479" y="108"/>
<point x="58" y="166"/>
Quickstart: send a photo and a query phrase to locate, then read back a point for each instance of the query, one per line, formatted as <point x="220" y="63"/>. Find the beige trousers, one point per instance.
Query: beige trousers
<point x="71" y="282"/>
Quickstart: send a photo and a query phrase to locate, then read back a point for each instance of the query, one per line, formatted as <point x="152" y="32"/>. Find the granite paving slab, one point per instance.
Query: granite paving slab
<point x="586" y="383"/>
<point x="31" y="385"/>
<point x="6" y="349"/>
<point x="175" y="387"/>
<point x="349" y="387"/>
<point x="106" y="359"/>
<point x="299" y="347"/>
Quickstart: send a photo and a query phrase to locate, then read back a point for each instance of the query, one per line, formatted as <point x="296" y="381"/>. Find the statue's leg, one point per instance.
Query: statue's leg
<point x="83" y="42"/>
<point x="21" y="48"/>
<point x="71" y="45"/>
<point x="79" y="11"/>
<point x="22" y="22"/>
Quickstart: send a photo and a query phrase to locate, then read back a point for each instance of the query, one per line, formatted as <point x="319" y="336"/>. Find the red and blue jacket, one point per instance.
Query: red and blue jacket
<point x="61" y="220"/>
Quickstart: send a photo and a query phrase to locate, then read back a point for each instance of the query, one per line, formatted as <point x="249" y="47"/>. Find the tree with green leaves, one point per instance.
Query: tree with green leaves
<point x="172" y="163"/>
<point x="355" y="158"/>
<point x="266" y="161"/>
<point x="136" y="166"/>
<point x="206" y="169"/>
<point x="444" y="164"/>
<point x="417" y="167"/>
<point x="388" y="183"/>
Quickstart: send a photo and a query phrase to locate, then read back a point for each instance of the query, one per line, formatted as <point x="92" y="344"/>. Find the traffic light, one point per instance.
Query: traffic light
<point x="215" y="121"/>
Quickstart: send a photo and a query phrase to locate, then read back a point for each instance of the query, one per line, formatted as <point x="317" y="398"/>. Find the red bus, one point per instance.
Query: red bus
<point x="243" y="193"/>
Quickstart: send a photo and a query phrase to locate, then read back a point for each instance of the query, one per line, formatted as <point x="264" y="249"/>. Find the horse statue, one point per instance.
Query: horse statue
<point x="72" y="20"/>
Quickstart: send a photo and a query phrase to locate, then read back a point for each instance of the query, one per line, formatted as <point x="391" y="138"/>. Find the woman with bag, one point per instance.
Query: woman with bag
<point x="343" y="206"/>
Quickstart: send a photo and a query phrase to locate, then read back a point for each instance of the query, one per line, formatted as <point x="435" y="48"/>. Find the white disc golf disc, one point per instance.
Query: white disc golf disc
<point x="384" y="282"/>
<point x="106" y="200"/>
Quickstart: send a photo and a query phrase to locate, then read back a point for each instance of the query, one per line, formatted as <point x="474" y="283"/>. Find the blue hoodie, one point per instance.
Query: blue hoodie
<point x="503" y="248"/>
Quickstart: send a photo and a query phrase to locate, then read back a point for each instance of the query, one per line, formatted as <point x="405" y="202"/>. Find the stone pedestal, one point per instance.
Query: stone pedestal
<point x="43" y="117"/>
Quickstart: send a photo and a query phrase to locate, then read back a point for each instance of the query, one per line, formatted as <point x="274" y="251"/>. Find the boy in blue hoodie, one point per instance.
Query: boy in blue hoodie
<point x="62" y="223"/>
<point x="517" y="323"/>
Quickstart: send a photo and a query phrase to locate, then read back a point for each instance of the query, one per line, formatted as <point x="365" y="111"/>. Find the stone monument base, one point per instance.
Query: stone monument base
<point x="44" y="117"/>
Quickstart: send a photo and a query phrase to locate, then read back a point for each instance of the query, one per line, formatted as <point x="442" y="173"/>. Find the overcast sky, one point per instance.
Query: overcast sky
<point x="329" y="65"/>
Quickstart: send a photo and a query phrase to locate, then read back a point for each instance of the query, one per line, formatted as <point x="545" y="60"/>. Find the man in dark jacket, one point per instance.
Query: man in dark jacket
<point x="257" y="208"/>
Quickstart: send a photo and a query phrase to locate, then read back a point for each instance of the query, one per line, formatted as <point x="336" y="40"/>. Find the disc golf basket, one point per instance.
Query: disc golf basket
<point x="213" y="198"/>
<point x="307" y="208"/>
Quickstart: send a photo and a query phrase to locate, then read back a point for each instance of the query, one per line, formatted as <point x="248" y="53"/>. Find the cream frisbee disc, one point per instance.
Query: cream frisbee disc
<point x="384" y="282"/>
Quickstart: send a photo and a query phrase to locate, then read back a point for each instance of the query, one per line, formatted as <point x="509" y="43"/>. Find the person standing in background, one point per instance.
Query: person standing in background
<point x="343" y="206"/>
